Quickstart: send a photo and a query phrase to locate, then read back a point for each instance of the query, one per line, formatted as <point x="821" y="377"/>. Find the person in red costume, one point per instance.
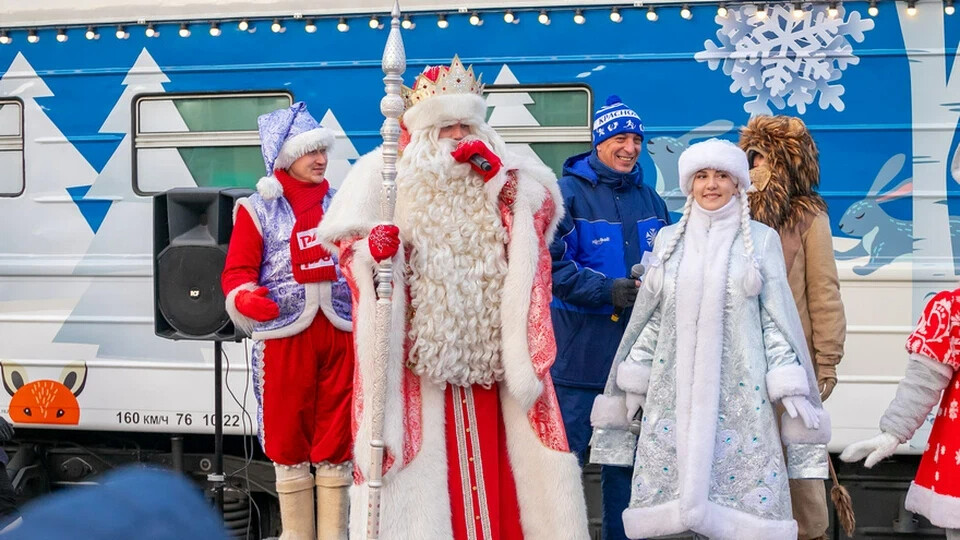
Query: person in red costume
<point x="475" y="444"/>
<point x="933" y="374"/>
<point x="284" y="289"/>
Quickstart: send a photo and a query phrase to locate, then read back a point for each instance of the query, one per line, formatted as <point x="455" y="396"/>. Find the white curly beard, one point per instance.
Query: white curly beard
<point x="457" y="265"/>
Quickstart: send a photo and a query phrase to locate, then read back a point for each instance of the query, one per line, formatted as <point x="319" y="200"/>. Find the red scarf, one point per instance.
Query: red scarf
<point x="310" y="261"/>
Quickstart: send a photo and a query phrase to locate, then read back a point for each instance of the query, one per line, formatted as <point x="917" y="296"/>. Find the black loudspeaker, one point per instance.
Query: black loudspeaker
<point x="191" y="231"/>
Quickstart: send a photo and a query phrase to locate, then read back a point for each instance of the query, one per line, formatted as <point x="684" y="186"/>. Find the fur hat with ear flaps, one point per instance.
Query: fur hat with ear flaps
<point x="724" y="156"/>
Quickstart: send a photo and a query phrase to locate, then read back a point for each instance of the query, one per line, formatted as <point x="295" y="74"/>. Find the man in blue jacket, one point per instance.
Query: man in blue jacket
<point x="611" y="219"/>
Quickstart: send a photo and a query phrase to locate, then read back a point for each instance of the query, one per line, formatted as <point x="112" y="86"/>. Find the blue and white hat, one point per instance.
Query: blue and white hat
<point x="288" y="134"/>
<point x="613" y="119"/>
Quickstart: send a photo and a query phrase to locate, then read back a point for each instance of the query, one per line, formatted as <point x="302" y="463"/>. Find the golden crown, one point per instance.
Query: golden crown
<point x="442" y="80"/>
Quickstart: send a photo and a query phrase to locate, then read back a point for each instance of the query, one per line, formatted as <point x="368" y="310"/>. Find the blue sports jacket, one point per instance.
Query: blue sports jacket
<point x="611" y="219"/>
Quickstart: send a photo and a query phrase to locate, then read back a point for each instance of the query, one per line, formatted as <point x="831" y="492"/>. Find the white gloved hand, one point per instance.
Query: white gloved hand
<point x="801" y="406"/>
<point x="874" y="449"/>
<point x="634" y="402"/>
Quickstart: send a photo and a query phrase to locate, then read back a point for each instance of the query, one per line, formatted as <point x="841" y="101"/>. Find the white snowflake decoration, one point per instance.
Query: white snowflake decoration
<point x="784" y="60"/>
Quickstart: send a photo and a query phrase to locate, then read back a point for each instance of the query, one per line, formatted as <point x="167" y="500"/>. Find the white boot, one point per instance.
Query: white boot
<point x="295" y="491"/>
<point x="333" y="484"/>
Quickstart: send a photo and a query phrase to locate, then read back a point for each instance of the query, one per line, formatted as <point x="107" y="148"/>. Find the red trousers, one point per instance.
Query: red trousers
<point x="306" y="399"/>
<point x="483" y="496"/>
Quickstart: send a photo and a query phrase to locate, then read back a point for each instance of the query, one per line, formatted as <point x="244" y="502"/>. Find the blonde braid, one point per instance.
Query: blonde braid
<point x="752" y="281"/>
<point x="654" y="280"/>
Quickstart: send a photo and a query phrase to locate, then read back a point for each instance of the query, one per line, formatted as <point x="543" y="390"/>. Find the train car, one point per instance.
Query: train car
<point x="104" y="104"/>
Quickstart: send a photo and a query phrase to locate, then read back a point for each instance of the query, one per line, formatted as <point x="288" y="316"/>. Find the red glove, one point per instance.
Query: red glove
<point x="384" y="241"/>
<point x="467" y="149"/>
<point x="255" y="305"/>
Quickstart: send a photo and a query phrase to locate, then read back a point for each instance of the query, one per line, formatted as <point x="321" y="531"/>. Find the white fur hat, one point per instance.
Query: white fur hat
<point x="289" y="133"/>
<point x="446" y="110"/>
<point x="713" y="154"/>
<point x="442" y="96"/>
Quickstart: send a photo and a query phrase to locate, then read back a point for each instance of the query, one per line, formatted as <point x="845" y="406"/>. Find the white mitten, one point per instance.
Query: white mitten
<point x="874" y="449"/>
<point x="634" y="402"/>
<point x="801" y="406"/>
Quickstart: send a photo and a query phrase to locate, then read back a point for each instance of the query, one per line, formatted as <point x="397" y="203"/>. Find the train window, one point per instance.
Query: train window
<point x="11" y="148"/>
<point x="554" y="122"/>
<point x="206" y="140"/>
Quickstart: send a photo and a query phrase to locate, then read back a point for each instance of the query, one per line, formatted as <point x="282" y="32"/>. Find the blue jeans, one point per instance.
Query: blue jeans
<point x="575" y="405"/>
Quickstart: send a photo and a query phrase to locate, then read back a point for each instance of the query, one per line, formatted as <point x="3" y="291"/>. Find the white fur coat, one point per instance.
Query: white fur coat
<point x="708" y="457"/>
<point x="415" y="497"/>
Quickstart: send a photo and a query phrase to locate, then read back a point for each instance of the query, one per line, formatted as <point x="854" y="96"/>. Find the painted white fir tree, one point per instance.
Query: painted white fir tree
<point x="344" y="152"/>
<point x="53" y="164"/>
<point x="123" y="241"/>
<point x="510" y="108"/>
<point x="44" y="232"/>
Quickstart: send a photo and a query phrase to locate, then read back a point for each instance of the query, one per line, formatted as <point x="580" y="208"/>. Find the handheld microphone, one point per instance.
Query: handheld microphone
<point x="636" y="271"/>
<point x="481" y="162"/>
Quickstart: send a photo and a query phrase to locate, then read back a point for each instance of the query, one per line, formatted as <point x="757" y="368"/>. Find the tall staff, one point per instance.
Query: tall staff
<point x="394" y="63"/>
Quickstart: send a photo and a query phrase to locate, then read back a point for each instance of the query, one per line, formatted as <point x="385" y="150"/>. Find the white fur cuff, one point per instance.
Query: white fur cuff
<point x="240" y="320"/>
<point x="793" y="431"/>
<point x="633" y="377"/>
<point x="523" y="385"/>
<point x="609" y="412"/>
<point x="789" y="380"/>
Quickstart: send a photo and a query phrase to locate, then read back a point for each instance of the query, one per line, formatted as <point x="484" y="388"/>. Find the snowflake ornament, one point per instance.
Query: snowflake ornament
<point x="784" y="60"/>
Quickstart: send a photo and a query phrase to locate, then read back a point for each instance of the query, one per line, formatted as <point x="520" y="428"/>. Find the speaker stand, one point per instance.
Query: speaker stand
<point x="217" y="478"/>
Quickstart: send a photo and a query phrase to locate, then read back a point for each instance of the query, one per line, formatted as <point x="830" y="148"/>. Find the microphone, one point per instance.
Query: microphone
<point x="636" y="271"/>
<point x="481" y="162"/>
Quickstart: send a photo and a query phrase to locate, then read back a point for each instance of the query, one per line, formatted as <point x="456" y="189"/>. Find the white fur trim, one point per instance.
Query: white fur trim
<point x="549" y="486"/>
<point x="356" y="208"/>
<point x="269" y="188"/>
<point x="529" y="168"/>
<point x="942" y="510"/>
<point x="715" y="521"/>
<point x="700" y="317"/>
<point x="444" y="110"/>
<point x="523" y="255"/>
<point x="300" y="145"/>
<point x="240" y="320"/>
<point x="788" y="380"/>
<point x="713" y="154"/>
<point x="363" y="269"/>
<point x="609" y="412"/>
<point x="793" y="431"/>
<point x="326" y="306"/>
<point x="310" y="308"/>
<point x="633" y="377"/>
<point x="414" y="503"/>
<point x="248" y="206"/>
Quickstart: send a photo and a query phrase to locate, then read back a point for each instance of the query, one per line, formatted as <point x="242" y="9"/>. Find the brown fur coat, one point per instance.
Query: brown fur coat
<point x="786" y="185"/>
<point x="786" y="200"/>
